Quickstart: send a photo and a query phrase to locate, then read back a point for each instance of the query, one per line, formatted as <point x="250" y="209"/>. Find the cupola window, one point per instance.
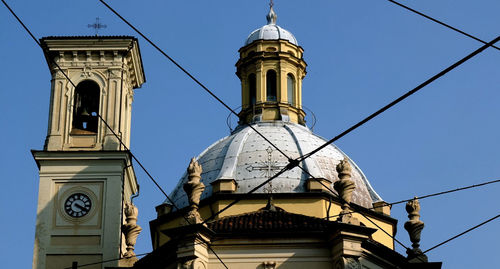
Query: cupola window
<point x="271" y="85"/>
<point x="252" y="89"/>
<point x="290" y="84"/>
<point x="86" y="107"/>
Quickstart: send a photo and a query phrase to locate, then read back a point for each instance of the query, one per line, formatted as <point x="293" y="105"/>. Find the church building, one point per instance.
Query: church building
<point x="249" y="200"/>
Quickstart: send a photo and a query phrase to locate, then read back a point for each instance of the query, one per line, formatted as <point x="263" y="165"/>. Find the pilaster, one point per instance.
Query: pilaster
<point x="346" y="245"/>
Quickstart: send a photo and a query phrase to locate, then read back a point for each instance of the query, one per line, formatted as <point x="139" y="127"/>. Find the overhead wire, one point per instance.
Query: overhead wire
<point x="302" y="158"/>
<point x="441" y="23"/>
<point x="401" y="98"/>
<point x="109" y="127"/>
<point x="295" y="162"/>
<point x="430" y="195"/>
<point x="462" y="233"/>
<point x="189" y="74"/>
<point x="356" y="211"/>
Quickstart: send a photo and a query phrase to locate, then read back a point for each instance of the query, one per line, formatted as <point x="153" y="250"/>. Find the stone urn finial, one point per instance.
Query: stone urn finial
<point x="130" y="229"/>
<point x="345" y="187"/>
<point x="193" y="188"/>
<point x="414" y="227"/>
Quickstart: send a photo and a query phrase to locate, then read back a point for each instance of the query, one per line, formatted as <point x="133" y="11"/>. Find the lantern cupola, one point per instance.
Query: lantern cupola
<point x="271" y="69"/>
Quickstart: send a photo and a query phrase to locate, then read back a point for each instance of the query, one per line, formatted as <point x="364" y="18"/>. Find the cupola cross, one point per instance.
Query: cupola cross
<point x="268" y="168"/>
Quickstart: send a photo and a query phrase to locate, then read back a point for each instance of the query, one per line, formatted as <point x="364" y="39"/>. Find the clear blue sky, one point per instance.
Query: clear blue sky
<point x="361" y="54"/>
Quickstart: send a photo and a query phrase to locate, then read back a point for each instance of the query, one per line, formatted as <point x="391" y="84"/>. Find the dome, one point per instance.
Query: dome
<point x="243" y="156"/>
<point x="271" y="31"/>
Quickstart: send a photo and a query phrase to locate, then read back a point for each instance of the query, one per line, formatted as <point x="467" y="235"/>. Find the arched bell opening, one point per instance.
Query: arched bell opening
<point x="86" y="107"/>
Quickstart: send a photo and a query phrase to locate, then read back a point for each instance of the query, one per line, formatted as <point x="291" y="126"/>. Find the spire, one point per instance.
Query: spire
<point x="271" y="16"/>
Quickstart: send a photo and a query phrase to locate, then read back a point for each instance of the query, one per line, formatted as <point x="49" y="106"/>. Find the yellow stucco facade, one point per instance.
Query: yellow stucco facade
<point x="319" y="207"/>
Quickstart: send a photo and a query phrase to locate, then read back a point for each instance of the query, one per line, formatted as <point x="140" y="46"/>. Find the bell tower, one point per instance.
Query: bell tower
<point x="86" y="176"/>
<point x="103" y="71"/>
<point x="271" y="69"/>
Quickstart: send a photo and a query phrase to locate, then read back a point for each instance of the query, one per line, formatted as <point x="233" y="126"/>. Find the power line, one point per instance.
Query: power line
<point x="295" y="162"/>
<point x="359" y="212"/>
<point x="462" y="233"/>
<point x="292" y="163"/>
<point x="189" y="74"/>
<point x="441" y="23"/>
<point x="401" y="98"/>
<point x="237" y="200"/>
<point x="431" y="195"/>
<point x="446" y="192"/>
<point x="114" y="133"/>
<point x="327" y="187"/>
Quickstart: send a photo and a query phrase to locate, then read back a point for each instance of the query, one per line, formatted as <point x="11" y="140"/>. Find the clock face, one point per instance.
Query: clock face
<point x="77" y="205"/>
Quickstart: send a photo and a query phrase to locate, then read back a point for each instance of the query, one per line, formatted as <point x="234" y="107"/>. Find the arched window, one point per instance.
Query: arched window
<point x="290" y="86"/>
<point x="252" y="89"/>
<point x="86" y="106"/>
<point x="271" y="85"/>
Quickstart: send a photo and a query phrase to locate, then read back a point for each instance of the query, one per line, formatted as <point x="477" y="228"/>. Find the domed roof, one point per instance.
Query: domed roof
<point x="243" y="156"/>
<point x="271" y="31"/>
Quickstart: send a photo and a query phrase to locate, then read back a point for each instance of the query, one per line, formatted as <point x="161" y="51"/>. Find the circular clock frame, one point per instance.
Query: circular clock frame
<point x="73" y="191"/>
<point x="78" y="205"/>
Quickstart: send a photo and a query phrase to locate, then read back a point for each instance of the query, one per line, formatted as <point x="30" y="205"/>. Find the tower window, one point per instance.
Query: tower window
<point x="86" y="106"/>
<point x="271" y="85"/>
<point x="252" y="89"/>
<point x="290" y="84"/>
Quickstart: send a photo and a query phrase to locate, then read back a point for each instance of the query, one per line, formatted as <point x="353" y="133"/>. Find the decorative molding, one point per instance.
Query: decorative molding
<point x="86" y="72"/>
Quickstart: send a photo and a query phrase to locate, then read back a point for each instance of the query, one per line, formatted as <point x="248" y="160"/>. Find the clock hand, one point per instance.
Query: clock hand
<point x="79" y="206"/>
